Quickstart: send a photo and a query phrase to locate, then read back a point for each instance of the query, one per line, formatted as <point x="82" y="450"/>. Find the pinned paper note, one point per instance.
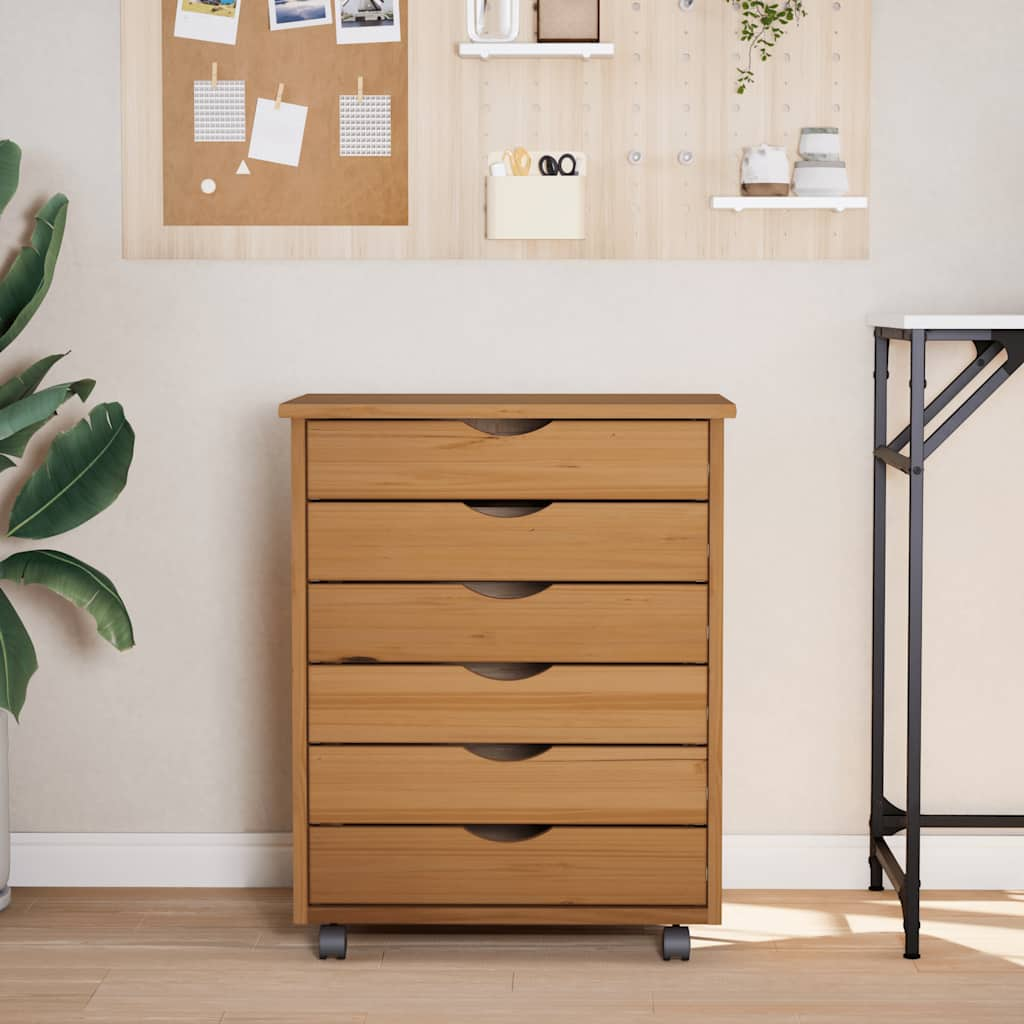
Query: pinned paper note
<point x="243" y="168"/>
<point x="219" y="111"/>
<point x="277" y="132"/>
<point x="210" y="21"/>
<point x="364" y="125"/>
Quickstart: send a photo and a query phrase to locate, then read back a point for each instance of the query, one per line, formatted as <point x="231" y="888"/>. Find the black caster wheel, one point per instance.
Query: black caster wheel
<point x="333" y="941"/>
<point x="675" y="942"/>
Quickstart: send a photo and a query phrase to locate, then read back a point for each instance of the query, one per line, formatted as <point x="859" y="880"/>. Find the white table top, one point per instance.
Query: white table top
<point x="948" y="321"/>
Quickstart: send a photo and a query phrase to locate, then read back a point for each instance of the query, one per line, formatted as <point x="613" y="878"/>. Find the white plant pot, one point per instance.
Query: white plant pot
<point x="5" y="816"/>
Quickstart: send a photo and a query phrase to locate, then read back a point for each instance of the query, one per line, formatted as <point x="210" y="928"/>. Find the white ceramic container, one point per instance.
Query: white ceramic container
<point x="821" y="178"/>
<point x="820" y="144"/>
<point x="765" y="170"/>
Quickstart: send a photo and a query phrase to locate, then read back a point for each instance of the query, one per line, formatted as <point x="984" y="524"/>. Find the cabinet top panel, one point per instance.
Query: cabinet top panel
<point x="587" y="407"/>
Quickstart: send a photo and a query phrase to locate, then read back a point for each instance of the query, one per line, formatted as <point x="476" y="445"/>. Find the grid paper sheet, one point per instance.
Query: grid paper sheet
<point x="219" y="113"/>
<point x="364" y="125"/>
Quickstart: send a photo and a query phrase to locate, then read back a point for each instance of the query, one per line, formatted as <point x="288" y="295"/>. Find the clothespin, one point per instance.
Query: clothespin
<point x="359" y="88"/>
<point x="280" y="93"/>
<point x="213" y="75"/>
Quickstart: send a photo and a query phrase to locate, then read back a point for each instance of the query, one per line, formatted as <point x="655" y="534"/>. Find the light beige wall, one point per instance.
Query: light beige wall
<point x="189" y="732"/>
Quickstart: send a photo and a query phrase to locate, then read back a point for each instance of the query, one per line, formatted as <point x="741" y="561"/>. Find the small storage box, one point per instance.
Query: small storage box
<point x="568" y="21"/>
<point x="535" y="206"/>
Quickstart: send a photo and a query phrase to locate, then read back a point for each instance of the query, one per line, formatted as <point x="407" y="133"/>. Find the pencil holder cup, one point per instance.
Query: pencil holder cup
<point x="534" y="206"/>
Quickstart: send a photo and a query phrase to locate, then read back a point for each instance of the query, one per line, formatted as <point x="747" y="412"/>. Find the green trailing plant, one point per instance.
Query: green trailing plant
<point x="762" y="25"/>
<point x="82" y="473"/>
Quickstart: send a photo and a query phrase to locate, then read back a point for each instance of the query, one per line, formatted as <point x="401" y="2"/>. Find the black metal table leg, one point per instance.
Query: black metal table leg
<point x="886" y="818"/>
<point x="911" y="894"/>
<point x="878" y="610"/>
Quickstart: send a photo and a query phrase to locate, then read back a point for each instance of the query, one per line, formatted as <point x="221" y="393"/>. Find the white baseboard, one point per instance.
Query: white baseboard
<point x="841" y="862"/>
<point x="262" y="860"/>
<point x="230" y="860"/>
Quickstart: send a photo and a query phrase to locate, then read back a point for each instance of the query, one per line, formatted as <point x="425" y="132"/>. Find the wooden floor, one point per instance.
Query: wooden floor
<point x="226" y="957"/>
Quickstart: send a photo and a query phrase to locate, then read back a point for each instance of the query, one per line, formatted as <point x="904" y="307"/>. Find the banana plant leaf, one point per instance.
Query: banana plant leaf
<point x="36" y="409"/>
<point x="16" y="444"/>
<point x="76" y="582"/>
<point x="84" y="472"/>
<point x="26" y="383"/>
<point x="25" y="286"/>
<point x="17" y="658"/>
<point x="10" y="167"/>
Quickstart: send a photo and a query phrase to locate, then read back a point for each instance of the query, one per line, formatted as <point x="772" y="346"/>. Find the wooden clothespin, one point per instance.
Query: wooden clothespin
<point x="213" y="75"/>
<point x="280" y="93"/>
<point x="359" y="88"/>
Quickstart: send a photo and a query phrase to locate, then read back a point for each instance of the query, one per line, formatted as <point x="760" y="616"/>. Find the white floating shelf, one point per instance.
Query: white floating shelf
<point x="838" y="204"/>
<point x="581" y="51"/>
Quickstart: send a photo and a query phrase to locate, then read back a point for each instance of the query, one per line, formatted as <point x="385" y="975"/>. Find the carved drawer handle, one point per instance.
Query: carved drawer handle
<point x="508" y="671"/>
<point x="506" y="428"/>
<point x="507" y="591"/>
<point x="507" y="751"/>
<point x="507" y="510"/>
<point x="507" y="833"/>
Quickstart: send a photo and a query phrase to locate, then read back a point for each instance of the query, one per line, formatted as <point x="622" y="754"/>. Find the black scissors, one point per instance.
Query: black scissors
<point x="552" y="167"/>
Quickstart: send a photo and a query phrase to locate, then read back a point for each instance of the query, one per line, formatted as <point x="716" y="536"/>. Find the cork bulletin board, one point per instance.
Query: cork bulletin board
<point x="667" y="95"/>
<point x="326" y="188"/>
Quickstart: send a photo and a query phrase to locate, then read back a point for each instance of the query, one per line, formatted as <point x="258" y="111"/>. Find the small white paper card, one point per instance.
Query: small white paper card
<point x="299" y="13"/>
<point x="277" y="134"/>
<point x="380" y="23"/>
<point x="209" y="21"/>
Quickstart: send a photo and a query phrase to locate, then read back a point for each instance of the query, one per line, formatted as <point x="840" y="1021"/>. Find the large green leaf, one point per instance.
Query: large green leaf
<point x="26" y="383"/>
<point x="37" y="409"/>
<point x="17" y="658"/>
<point x="76" y="582"/>
<point x="85" y="470"/>
<point x="10" y="166"/>
<point x="16" y="442"/>
<point x="25" y="286"/>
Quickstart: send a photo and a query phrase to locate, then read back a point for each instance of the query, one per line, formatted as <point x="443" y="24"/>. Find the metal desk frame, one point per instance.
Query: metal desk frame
<point x="886" y="818"/>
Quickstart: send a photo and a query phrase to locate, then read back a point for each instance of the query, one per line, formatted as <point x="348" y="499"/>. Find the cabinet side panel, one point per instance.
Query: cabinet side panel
<point x="300" y="817"/>
<point x="715" y="622"/>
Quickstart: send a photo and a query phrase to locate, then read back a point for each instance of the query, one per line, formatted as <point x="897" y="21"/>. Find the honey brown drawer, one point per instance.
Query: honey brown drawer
<point x="581" y="459"/>
<point x="567" y="622"/>
<point x="507" y="784"/>
<point x="559" y="541"/>
<point x="508" y="704"/>
<point x="561" y="866"/>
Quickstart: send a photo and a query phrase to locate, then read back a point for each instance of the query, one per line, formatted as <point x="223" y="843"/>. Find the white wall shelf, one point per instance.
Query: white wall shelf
<point x="838" y="204"/>
<point x="580" y="51"/>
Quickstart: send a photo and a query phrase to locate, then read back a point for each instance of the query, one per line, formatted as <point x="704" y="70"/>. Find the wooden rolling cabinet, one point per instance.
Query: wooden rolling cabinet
<point x="507" y="660"/>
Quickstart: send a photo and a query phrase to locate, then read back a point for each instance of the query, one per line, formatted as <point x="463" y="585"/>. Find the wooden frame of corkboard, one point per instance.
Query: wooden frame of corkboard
<point x="668" y="90"/>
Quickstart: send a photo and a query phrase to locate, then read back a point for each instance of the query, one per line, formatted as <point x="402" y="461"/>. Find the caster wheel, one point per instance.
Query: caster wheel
<point x="333" y="941"/>
<point x="675" y="942"/>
